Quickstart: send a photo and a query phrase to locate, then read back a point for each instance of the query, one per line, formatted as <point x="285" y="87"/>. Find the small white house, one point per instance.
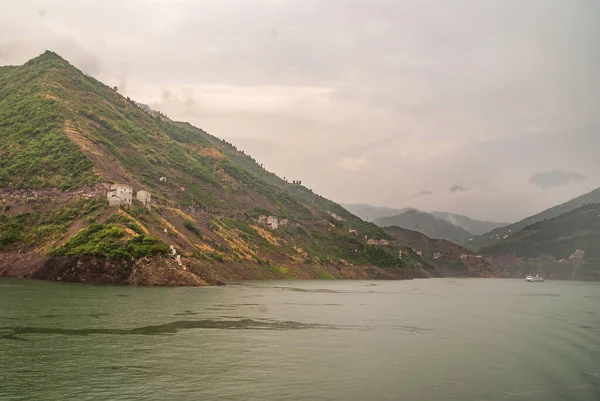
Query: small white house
<point x="144" y="197"/>
<point x="119" y="194"/>
<point x="436" y="255"/>
<point x="272" y="222"/>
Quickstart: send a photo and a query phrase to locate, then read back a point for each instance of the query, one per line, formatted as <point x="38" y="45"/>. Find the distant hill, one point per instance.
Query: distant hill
<point x="566" y="246"/>
<point x="489" y="238"/>
<point x="425" y="223"/>
<point x="453" y="260"/>
<point x="65" y="138"/>
<point x="370" y="213"/>
<point x="475" y="227"/>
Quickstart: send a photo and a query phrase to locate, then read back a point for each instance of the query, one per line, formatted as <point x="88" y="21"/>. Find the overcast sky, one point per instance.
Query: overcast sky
<point x="489" y="108"/>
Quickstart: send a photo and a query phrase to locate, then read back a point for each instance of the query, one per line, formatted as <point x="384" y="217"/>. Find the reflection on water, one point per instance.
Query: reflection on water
<point x="442" y="339"/>
<point x="169" y="328"/>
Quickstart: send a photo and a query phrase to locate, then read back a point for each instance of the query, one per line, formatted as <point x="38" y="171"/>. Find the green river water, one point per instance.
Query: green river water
<point x="436" y="339"/>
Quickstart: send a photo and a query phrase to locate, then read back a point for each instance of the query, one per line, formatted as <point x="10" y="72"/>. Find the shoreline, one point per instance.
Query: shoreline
<point x="194" y="273"/>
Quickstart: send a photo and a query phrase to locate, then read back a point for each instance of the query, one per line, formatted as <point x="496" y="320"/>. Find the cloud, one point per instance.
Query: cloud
<point x="457" y="188"/>
<point x="396" y="95"/>
<point x="424" y="193"/>
<point x="552" y="179"/>
<point x="353" y="164"/>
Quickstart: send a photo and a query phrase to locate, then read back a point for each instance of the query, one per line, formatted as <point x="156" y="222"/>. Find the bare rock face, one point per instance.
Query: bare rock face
<point x="153" y="271"/>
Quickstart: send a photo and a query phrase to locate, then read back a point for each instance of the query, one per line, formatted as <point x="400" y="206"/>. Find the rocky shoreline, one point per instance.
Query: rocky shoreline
<point x="167" y="272"/>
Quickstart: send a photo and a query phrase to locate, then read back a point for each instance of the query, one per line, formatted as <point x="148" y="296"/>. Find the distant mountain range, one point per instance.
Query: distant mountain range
<point x="475" y="227"/>
<point x="425" y="223"/>
<point x="562" y="242"/>
<point x="497" y="234"/>
<point x="465" y="227"/>
<point x="370" y="212"/>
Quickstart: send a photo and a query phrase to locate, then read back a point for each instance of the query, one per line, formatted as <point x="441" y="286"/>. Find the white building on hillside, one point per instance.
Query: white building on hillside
<point x="119" y="194"/>
<point x="272" y="222"/>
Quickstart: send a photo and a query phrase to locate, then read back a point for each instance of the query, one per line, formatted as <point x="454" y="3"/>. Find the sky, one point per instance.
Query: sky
<point x="490" y="108"/>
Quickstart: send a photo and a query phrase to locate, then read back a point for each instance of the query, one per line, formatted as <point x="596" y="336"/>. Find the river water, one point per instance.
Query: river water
<point x="436" y="339"/>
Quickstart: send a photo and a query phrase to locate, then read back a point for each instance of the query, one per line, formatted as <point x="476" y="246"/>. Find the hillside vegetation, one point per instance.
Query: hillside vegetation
<point x="452" y="260"/>
<point x="60" y="128"/>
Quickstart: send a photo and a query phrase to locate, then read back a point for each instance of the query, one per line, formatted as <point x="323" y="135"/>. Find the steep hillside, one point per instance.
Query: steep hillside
<point x="475" y="227"/>
<point x="449" y="259"/>
<point x="566" y="246"/>
<point x="65" y="138"/>
<point x="426" y="224"/>
<point x="498" y="234"/>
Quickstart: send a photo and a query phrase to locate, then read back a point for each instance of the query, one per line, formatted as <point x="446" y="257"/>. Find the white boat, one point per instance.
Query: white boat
<point x="534" y="279"/>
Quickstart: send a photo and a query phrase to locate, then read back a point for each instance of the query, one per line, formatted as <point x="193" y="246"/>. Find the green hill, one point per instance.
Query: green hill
<point x="487" y="239"/>
<point x="64" y="137"/>
<point x="565" y="246"/>
<point x="425" y="223"/>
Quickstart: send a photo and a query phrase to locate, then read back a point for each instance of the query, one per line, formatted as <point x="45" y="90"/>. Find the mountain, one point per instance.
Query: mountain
<point x="425" y="223"/>
<point x="561" y="247"/>
<point x="452" y="260"/>
<point x="66" y="140"/>
<point x="498" y="234"/>
<point x="475" y="227"/>
<point x="370" y="213"/>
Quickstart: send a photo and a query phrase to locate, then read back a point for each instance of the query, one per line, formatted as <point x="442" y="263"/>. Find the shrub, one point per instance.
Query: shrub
<point x="192" y="227"/>
<point x="108" y="240"/>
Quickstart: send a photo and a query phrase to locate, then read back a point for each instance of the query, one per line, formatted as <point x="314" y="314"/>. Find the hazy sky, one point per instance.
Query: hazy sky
<point x="485" y="107"/>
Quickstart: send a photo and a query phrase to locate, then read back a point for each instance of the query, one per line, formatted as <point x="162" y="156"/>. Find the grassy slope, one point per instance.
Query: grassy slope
<point x="34" y="150"/>
<point x="61" y="128"/>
